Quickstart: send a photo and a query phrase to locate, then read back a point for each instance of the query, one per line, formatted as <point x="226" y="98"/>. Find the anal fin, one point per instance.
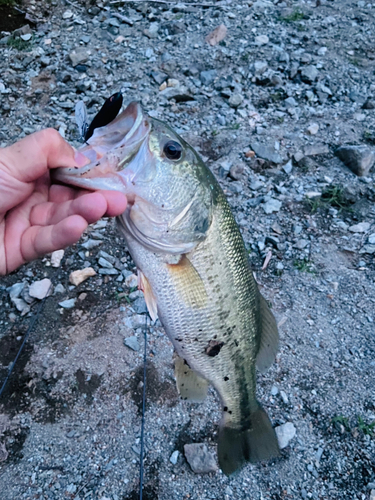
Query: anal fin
<point x="269" y="337"/>
<point x="191" y="386"/>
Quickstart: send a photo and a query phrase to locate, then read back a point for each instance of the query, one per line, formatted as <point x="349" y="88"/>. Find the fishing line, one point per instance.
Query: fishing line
<point x="31" y="326"/>
<point x="141" y="466"/>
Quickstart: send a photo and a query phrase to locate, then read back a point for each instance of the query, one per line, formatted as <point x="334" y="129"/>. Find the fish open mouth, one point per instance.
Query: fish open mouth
<point x="108" y="152"/>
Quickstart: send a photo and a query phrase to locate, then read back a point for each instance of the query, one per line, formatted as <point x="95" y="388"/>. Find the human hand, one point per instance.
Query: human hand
<point x="37" y="217"/>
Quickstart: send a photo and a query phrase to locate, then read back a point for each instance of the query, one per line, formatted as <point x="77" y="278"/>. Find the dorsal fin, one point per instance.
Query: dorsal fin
<point x="269" y="337"/>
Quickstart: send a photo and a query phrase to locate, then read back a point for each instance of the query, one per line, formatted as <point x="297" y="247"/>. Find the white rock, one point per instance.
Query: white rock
<point x="67" y="14"/>
<point x="361" y="227"/>
<point x="371" y="239"/>
<point x="26" y="37"/>
<point x="174" y="457"/>
<point x="39" y="289"/>
<point x="288" y="167"/>
<point x="313" y="129"/>
<point x="15" y="290"/>
<point x="261" y="40"/>
<point x="21" y="306"/>
<point x="56" y="258"/>
<point x="131" y="281"/>
<point x="67" y="304"/>
<point x="77" y="277"/>
<point x="285" y="433"/>
<point x="272" y="205"/>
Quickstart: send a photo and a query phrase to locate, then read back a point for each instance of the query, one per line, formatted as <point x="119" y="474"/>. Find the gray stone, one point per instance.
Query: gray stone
<point x="135" y="321"/>
<point x="371" y="239"/>
<point x="260" y="67"/>
<point x="59" y="288"/>
<point x="139" y="305"/>
<point x="207" y="77"/>
<point x="235" y="100"/>
<point x="301" y="244"/>
<point x="21" y="306"/>
<point x="108" y="272"/>
<point x="159" y="76"/>
<point x="67" y="304"/>
<point x="79" y="56"/>
<point x="288" y="167"/>
<point x="266" y="152"/>
<point x="272" y="205"/>
<point x="369" y="249"/>
<point x="104" y="263"/>
<point x="309" y="74"/>
<point x="132" y="343"/>
<point x="199" y="458"/>
<point x="39" y="289"/>
<point x="174" y="457"/>
<point x="15" y="290"/>
<point x="290" y="102"/>
<point x="361" y="227"/>
<point x="90" y="244"/>
<point x="285" y="433"/>
<point x="359" y="159"/>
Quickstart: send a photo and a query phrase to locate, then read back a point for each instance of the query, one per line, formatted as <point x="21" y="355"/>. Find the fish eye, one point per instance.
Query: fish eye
<point x="173" y="150"/>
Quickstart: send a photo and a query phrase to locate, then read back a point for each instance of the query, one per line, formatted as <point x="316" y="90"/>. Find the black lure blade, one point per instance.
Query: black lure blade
<point x="106" y="114"/>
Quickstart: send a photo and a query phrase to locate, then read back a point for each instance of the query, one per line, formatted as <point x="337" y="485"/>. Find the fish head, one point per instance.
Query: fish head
<point x="168" y="187"/>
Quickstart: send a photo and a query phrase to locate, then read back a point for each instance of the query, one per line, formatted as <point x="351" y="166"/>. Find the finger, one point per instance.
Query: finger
<point x="89" y="206"/>
<point x="38" y="241"/>
<point x="116" y="202"/>
<point x="29" y="158"/>
<point x="59" y="194"/>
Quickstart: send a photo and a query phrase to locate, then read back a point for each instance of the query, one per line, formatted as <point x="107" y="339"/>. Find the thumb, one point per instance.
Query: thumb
<point x="31" y="157"/>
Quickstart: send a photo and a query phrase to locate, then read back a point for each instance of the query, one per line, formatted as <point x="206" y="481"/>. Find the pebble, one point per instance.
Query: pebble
<point x="266" y="152"/>
<point x="285" y="433"/>
<point x="174" y="457"/>
<point x="199" y="458"/>
<point x="261" y="40"/>
<point x="235" y="100"/>
<point x="79" y="56"/>
<point x="288" y="167"/>
<point x="21" y="306"/>
<point x="40" y="289"/>
<point x="132" y="343"/>
<point x="59" y="288"/>
<point x="207" y="77"/>
<point x="217" y="35"/>
<point x="361" y="227"/>
<point x="131" y="280"/>
<point x="139" y="305"/>
<point x="371" y="239"/>
<point x="56" y="258"/>
<point x="309" y="74"/>
<point x="90" y="244"/>
<point x="135" y="321"/>
<point x="67" y="304"/>
<point x="15" y="290"/>
<point x="313" y="129"/>
<point x="271" y="206"/>
<point x="359" y="159"/>
<point x="77" y="277"/>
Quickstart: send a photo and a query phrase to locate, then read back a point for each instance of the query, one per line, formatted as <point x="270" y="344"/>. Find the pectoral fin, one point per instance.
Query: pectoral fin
<point x="269" y="337"/>
<point x="190" y="385"/>
<point x="150" y="299"/>
<point x="188" y="283"/>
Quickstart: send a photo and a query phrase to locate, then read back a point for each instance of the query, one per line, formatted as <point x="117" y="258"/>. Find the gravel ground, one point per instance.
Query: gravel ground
<point x="267" y="107"/>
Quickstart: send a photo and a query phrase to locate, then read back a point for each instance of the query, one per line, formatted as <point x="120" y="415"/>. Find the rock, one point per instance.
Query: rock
<point x="235" y="100"/>
<point x="309" y="74"/>
<point x="288" y="167"/>
<point x="77" y="277"/>
<point x="207" y="77"/>
<point x="260" y="67"/>
<point x="361" y="227"/>
<point x="369" y="104"/>
<point x="274" y="390"/>
<point x="26" y="37"/>
<point x="15" y="290"/>
<point x="40" y="289"/>
<point x="79" y="55"/>
<point x="369" y="249"/>
<point x="359" y="159"/>
<point x="135" y="321"/>
<point x="131" y="281"/>
<point x="285" y="433"/>
<point x="132" y="343"/>
<point x="67" y="304"/>
<point x="105" y="263"/>
<point x="272" y="205"/>
<point x="21" y="306"/>
<point x="315" y="150"/>
<point x="290" y="102"/>
<point x="301" y="244"/>
<point x="284" y="397"/>
<point x="159" y="76"/>
<point x="56" y="258"/>
<point x="59" y="288"/>
<point x="261" y="40"/>
<point x="266" y="152"/>
<point x="371" y="239"/>
<point x="372" y="495"/>
<point x="199" y="458"/>
<point x="174" y="457"/>
<point x="67" y="14"/>
<point x="313" y="129"/>
<point x="3" y="452"/>
<point x="217" y="35"/>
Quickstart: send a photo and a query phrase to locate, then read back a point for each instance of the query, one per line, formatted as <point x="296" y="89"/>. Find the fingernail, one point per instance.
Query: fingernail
<point x="81" y="159"/>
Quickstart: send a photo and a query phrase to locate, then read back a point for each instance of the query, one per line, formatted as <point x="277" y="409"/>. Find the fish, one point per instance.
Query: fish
<point x="194" y="271"/>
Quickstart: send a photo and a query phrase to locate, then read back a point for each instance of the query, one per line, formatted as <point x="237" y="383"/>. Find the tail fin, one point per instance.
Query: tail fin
<point x="257" y="442"/>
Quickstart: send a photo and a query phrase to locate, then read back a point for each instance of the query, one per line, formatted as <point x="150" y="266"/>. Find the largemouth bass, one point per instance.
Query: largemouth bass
<point x="193" y="269"/>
